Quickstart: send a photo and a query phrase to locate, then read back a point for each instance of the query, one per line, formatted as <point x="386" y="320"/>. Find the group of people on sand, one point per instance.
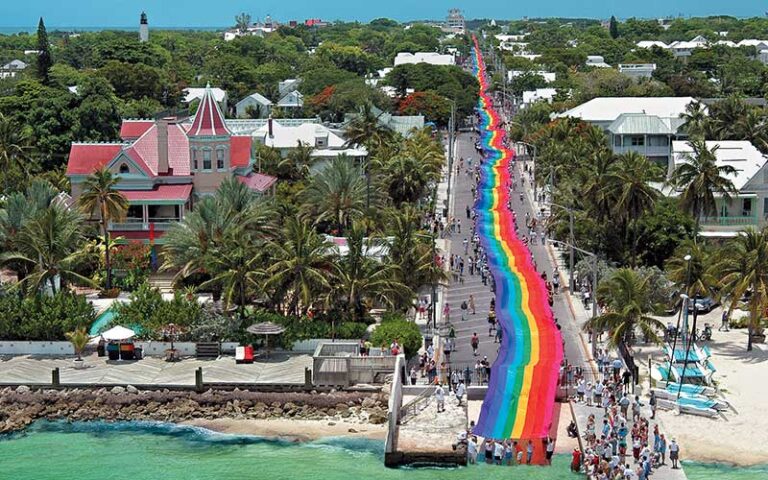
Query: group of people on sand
<point x="505" y="452"/>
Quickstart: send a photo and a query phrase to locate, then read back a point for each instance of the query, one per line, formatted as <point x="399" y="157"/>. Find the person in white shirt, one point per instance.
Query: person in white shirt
<point x="472" y="450"/>
<point x="460" y="391"/>
<point x="440" y="397"/>
<point x="589" y="393"/>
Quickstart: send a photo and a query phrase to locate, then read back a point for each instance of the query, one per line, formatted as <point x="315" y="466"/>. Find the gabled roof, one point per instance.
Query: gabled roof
<point x="85" y="158"/>
<point x="144" y="151"/>
<point x="15" y="65"/>
<point x="740" y="154"/>
<point x="258" y="98"/>
<point x="640" y="124"/>
<point x="288" y="137"/>
<point x="257" y="181"/>
<point x="291" y="99"/>
<point x="132" y="129"/>
<point x="209" y="121"/>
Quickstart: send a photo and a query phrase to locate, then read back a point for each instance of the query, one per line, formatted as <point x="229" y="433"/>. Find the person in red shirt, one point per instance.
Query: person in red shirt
<point x="576" y="460"/>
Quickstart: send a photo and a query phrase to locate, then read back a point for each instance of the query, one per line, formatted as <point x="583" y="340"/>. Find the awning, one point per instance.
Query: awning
<point x="161" y="194"/>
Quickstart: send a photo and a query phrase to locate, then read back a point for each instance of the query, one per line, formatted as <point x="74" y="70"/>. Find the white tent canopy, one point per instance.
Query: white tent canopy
<point x="118" y="333"/>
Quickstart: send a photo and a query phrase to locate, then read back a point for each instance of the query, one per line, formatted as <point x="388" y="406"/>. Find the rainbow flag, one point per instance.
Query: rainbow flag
<point x="521" y="394"/>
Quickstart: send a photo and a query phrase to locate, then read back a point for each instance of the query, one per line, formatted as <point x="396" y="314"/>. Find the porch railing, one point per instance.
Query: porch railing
<point x="730" y="221"/>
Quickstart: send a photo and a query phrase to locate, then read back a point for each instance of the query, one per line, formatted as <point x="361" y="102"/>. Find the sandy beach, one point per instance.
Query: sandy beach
<point x="297" y="430"/>
<point x="741" y="435"/>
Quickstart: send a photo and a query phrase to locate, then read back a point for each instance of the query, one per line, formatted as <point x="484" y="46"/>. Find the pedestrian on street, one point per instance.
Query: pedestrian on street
<point x="674" y="453"/>
<point x="652" y="403"/>
<point x="468" y="211"/>
<point x="447" y="312"/>
<point x="413" y="376"/>
<point x="459" y="391"/>
<point x="472" y="303"/>
<point x="475" y="342"/>
<point x="466" y="246"/>
<point x="464" y="308"/>
<point x="440" y="398"/>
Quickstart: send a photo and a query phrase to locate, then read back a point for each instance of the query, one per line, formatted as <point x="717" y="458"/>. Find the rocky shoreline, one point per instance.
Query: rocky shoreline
<point x="21" y="406"/>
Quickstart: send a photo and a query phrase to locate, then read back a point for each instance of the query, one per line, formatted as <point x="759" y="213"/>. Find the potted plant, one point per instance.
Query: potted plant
<point x="79" y="340"/>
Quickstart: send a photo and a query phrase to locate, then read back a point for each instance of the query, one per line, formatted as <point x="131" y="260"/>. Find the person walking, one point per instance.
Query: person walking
<point x="465" y="242"/>
<point x="464" y="308"/>
<point x="652" y="403"/>
<point x="529" y="452"/>
<point x="475" y="342"/>
<point x="472" y="303"/>
<point x="414" y="375"/>
<point x="459" y="391"/>
<point x="440" y="397"/>
<point x="446" y="313"/>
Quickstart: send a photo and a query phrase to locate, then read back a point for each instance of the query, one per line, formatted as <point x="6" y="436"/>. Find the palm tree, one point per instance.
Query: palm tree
<point x="627" y="296"/>
<point x="629" y="183"/>
<point x="234" y="265"/>
<point x="51" y="245"/>
<point x="700" y="178"/>
<point x="297" y="163"/>
<point x="338" y="194"/>
<point x="242" y="22"/>
<point x="744" y="267"/>
<point x="15" y="148"/>
<point x="79" y="340"/>
<point x="406" y="179"/>
<point x="100" y="196"/>
<point x="362" y="280"/>
<point x="594" y="186"/>
<point x="695" y="119"/>
<point x="302" y="263"/>
<point x="366" y="130"/>
<point x="696" y="274"/>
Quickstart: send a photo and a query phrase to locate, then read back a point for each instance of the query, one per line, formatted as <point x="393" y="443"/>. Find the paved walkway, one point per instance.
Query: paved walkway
<point x="30" y="370"/>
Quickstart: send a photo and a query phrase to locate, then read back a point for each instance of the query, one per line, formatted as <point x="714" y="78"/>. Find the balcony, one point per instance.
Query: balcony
<point x="746" y="221"/>
<point x="140" y="225"/>
<point x="647" y="150"/>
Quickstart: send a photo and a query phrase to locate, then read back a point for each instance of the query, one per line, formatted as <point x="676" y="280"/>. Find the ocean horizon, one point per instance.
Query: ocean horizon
<point x="74" y="29"/>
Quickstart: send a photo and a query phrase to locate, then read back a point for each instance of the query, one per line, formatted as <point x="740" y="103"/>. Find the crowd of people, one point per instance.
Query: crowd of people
<point x="621" y="442"/>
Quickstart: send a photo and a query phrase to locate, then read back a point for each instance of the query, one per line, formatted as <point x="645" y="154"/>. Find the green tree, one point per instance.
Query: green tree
<point x="696" y="275"/>
<point x="242" y="22"/>
<point x="15" y="150"/>
<point x="613" y="28"/>
<point x="628" y="302"/>
<point x="700" y="179"/>
<point x="98" y="113"/>
<point x="44" y="57"/>
<point x="398" y="328"/>
<point x="744" y="267"/>
<point x="100" y="196"/>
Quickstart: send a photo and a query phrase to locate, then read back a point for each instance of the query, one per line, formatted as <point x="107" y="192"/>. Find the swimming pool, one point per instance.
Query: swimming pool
<point x="102" y="321"/>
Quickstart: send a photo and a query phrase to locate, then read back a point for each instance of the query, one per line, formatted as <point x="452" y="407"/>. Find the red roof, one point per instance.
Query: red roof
<point x="144" y="151"/>
<point x="240" y="151"/>
<point x="257" y="181"/>
<point x="85" y="158"/>
<point x="160" y="192"/>
<point x="133" y="129"/>
<point x="209" y="121"/>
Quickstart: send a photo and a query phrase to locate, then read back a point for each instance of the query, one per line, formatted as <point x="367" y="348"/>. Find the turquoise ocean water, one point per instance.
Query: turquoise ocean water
<point x="144" y="451"/>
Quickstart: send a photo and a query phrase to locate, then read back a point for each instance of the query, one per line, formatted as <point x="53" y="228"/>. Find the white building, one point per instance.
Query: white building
<point x="596" y="61"/>
<point x="254" y="102"/>
<point x="749" y="206"/>
<point x="637" y="70"/>
<point x="432" y="58"/>
<point x="651" y="44"/>
<point x="454" y="22"/>
<point x="539" y="95"/>
<point x="143" y="28"/>
<point x="10" y="69"/>
<point x="548" y="77"/>
<point x="194" y="93"/>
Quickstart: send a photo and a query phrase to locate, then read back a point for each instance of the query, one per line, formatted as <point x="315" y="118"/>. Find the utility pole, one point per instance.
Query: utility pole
<point x="451" y="137"/>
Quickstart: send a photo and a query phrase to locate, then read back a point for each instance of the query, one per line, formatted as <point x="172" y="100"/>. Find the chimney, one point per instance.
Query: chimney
<point x="269" y="127"/>
<point x="162" y="144"/>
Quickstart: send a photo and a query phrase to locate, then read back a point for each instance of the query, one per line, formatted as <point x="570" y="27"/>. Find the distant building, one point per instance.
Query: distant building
<point x="637" y="70"/>
<point x="431" y="58"/>
<point x="10" y="69"/>
<point x="538" y="95"/>
<point x="143" y="28"/>
<point x="193" y="93"/>
<point x="291" y="100"/>
<point x="548" y="77"/>
<point x="316" y="23"/>
<point x="288" y="85"/>
<point x="258" y="29"/>
<point x="748" y="207"/>
<point x="402" y="124"/>
<point x="455" y="23"/>
<point x="254" y="103"/>
<point x="165" y="166"/>
<point x="646" y="125"/>
<point x="596" y="61"/>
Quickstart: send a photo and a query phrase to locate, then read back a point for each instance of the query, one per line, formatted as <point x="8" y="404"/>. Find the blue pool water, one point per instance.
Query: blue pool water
<point x="101" y="321"/>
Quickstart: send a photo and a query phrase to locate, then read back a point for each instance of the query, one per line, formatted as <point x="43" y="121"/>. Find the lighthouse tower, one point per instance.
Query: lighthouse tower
<point x="143" y="28"/>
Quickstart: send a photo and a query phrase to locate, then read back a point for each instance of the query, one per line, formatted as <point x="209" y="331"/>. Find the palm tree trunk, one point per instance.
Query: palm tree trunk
<point x="107" y="253"/>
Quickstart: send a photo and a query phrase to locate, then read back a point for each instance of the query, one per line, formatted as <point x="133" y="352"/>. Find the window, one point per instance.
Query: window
<point x="746" y="207"/>
<point x="638" y="141"/>
<point x="194" y="160"/>
<point x="220" y="159"/>
<point x="124" y="168"/>
<point x="206" y="160"/>
<point x="617" y="140"/>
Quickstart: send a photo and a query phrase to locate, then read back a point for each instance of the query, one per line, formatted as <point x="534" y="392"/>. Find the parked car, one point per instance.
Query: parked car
<point x="703" y="304"/>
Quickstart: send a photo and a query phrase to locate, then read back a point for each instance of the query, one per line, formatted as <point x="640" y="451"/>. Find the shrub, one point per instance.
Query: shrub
<point x="150" y="313"/>
<point x="43" y="317"/>
<point x="407" y="334"/>
<point x="740" y="322"/>
<point x="303" y="328"/>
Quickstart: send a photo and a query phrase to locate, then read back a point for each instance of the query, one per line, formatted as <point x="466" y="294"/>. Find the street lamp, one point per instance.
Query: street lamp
<point x="572" y="239"/>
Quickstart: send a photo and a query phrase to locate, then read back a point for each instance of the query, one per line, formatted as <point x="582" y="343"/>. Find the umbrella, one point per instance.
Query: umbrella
<point x="118" y="333"/>
<point x="266" y="329"/>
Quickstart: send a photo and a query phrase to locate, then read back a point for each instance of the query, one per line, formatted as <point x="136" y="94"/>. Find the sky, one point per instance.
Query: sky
<point x="207" y="13"/>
